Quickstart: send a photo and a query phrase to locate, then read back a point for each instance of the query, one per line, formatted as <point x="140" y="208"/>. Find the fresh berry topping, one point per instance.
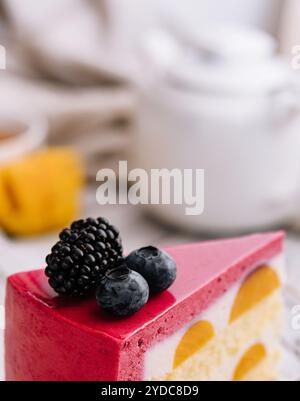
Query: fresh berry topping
<point x="82" y="255"/>
<point x="156" y="266"/>
<point x="122" y="291"/>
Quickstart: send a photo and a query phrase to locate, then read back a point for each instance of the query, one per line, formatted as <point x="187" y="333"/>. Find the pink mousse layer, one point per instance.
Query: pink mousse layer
<point x="51" y="338"/>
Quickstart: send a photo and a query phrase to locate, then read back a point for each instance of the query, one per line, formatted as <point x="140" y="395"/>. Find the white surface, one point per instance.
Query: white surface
<point x="138" y="231"/>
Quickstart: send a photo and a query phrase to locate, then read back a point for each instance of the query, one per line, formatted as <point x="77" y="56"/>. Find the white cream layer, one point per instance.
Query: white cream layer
<point x="159" y="359"/>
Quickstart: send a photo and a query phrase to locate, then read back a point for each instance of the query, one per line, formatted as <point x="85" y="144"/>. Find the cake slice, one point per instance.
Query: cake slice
<point x="220" y="320"/>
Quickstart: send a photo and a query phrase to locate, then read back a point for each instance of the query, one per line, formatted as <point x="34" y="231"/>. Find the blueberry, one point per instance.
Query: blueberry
<point x="156" y="266"/>
<point x="122" y="291"/>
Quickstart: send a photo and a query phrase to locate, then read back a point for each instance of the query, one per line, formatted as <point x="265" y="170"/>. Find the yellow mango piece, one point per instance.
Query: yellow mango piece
<point x="258" y="285"/>
<point x="251" y="358"/>
<point x="195" y="338"/>
<point x="40" y="192"/>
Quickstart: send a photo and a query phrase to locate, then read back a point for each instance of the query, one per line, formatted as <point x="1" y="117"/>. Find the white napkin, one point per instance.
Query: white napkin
<point x="66" y="63"/>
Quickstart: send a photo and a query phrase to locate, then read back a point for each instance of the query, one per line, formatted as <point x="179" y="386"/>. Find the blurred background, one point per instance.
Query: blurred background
<point x="195" y="84"/>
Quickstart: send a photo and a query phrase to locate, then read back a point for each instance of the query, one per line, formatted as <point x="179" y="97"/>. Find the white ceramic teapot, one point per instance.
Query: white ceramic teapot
<point x="219" y="99"/>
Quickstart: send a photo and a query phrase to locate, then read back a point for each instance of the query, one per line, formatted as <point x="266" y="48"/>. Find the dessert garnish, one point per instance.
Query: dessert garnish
<point x="83" y="253"/>
<point x="156" y="266"/>
<point x="89" y="257"/>
<point x="122" y="291"/>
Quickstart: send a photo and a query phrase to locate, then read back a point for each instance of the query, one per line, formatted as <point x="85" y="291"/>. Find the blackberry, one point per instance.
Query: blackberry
<point x="82" y="255"/>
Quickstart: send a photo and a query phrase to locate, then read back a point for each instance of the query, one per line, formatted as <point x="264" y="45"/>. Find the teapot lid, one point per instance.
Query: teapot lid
<point x="224" y="58"/>
<point x="226" y="41"/>
<point x="262" y="78"/>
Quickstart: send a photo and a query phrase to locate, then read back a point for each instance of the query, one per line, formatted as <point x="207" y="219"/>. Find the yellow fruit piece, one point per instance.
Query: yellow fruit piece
<point x="195" y="338"/>
<point x="258" y="285"/>
<point x="40" y="192"/>
<point x="251" y="358"/>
